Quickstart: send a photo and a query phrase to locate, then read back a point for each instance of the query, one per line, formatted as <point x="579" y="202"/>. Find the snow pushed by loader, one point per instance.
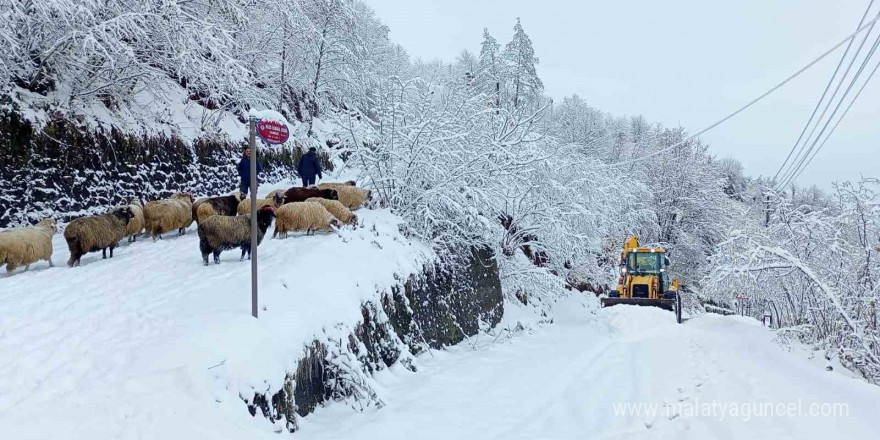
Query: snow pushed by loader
<point x="644" y="279"/>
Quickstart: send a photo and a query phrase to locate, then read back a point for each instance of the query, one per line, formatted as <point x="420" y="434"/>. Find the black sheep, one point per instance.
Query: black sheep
<point x="222" y="205"/>
<point x="219" y="233"/>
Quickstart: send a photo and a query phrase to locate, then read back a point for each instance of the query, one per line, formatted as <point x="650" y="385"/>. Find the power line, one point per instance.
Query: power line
<point x="836" y="124"/>
<point x="752" y="102"/>
<point x="827" y="86"/>
<point x="800" y="165"/>
<point x="802" y="155"/>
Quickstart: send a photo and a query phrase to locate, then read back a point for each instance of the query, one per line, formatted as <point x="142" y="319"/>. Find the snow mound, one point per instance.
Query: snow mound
<point x="153" y="343"/>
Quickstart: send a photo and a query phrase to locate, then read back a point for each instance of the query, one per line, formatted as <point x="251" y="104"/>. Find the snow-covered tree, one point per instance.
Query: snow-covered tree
<point x="815" y="271"/>
<point x="524" y="85"/>
<point x="490" y="72"/>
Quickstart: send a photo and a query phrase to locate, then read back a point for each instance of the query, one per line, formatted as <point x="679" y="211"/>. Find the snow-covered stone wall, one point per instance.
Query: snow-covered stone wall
<point x="433" y="309"/>
<point x="66" y="170"/>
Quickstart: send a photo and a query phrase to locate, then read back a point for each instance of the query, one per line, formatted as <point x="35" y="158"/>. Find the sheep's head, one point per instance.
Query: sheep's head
<point x="49" y="222"/>
<point x="335" y="223"/>
<point x="329" y="194"/>
<point x="264" y="217"/>
<point x="277" y="199"/>
<point x="354" y="219"/>
<point x="124" y="213"/>
<point x="238" y="195"/>
<point x="350" y="183"/>
<point x="136" y="201"/>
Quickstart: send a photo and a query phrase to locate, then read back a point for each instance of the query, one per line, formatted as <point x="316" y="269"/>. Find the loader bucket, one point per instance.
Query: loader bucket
<point x="665" y="304"/>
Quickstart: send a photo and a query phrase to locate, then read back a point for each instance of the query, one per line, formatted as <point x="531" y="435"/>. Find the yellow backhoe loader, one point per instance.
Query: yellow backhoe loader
<point x="644" y="280"/>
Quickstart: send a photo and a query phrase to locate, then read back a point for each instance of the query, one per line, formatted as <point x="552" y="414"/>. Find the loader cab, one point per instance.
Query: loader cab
<point x="644" y="273"/>
<point x="644" y="263"/>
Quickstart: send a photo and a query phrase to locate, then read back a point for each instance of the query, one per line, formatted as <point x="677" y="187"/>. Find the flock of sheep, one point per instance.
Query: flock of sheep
<point x="223" y="223"/>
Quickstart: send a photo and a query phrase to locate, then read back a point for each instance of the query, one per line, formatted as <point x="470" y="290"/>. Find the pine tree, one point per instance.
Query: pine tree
<point x="520" y="60"/>
<point x="490" y="69"/>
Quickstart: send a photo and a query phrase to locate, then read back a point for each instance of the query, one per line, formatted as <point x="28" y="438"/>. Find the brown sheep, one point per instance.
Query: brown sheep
<point x="353" y="197"/>
<point x="167" y="215"/>
<point x="223" y="205"/>
<point x="195" y="207"/>
<point x="25" y="246"/>
<point x="220" y="232"/>
<point x="244" y="207"/>
<point x="97" y="232"/>
<point x="136" y="225"/>
<point x="303" y="216"/>
<point x="299" y="194"/>
<point x="338" y="210"/>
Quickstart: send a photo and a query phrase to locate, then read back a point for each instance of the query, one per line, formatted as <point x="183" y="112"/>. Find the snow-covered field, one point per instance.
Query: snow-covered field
<point x="152" y="344"/>
<point x="564" y="380"/>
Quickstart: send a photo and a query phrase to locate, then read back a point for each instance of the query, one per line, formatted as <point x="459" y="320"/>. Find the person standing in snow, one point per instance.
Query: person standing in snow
<point x="244" y="171"/>
<point x="309" y="167"/>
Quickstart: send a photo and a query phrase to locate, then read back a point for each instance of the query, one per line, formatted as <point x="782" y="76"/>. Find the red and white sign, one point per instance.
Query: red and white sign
<point x="272" y="132"/>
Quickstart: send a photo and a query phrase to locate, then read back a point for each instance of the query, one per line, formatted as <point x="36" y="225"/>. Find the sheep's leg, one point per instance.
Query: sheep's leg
<point x="244" y="250"/>
<point x="111" y="251"/>
<point x="216" y="257"/>
<point x="10" y="268"/>
<point x="205" y="248"/>
<point x="104" y="253"/>
<point x="51" y="264"/>
<point x="27" y="267"/>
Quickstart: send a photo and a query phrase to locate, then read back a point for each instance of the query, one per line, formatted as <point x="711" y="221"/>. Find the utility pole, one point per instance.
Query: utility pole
<point x="253" y="190"/>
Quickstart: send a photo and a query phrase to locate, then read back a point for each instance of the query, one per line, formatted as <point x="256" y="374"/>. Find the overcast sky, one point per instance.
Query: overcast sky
<point x="678" y="62"/>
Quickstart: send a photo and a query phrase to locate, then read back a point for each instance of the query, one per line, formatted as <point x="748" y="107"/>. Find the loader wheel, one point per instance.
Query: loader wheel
<point x="678" y="308"/>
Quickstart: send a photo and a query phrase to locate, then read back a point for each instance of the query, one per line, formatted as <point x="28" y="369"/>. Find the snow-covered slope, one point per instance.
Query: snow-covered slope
<point x="151" y="344"/>
<point x="573" y="379"/>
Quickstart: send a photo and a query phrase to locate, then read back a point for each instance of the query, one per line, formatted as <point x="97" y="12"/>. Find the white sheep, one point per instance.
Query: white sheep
<point x="273" y="200"/>
<point x="338" y="210"/>
<point x="353" y="197"/>
<point x="27" y="245"/>
<point x="136" y="224"/>
<point x="303" y="216"/>
<point x="167" y="215"/>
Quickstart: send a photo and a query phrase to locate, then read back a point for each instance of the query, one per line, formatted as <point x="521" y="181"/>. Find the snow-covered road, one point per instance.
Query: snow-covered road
<point x="569" y="380"/>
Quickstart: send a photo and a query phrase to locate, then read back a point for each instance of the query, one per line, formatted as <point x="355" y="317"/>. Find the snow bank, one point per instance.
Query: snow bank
<point x="152" y="343"/>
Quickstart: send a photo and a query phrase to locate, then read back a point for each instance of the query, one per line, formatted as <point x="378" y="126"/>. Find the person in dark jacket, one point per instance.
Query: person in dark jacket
<point x="244" y="171"/>
<point x="309" y="167"/>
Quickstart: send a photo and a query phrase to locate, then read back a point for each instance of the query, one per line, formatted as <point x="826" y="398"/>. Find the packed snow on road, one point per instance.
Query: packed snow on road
<point x="615" y="373"/>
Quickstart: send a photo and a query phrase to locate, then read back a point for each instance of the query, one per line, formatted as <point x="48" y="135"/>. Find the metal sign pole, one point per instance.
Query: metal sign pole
<point x="253" y="191"/>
